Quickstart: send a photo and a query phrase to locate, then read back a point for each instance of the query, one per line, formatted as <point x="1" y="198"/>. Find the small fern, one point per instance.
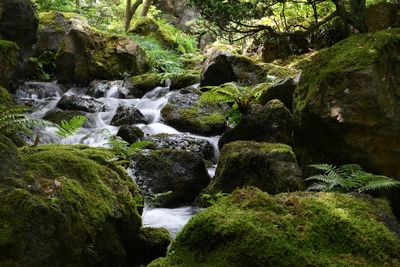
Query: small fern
<point x="240" y="98"/>
<point x="14" y="119"/>
<point x="123" y="150"/>
<point x="68" y="128"/>
<point x="348" y="178"/>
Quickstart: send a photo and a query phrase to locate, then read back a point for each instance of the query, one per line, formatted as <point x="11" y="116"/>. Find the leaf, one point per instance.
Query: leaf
<point x="68" y="128"/>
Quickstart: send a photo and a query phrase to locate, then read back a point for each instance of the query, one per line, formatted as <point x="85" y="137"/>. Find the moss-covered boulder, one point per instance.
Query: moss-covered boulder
<point x="139" y="85"/>
<point x="185" y="112"/>
<point x="10" y="161"/>
<point x="252" y="228"/>
<point x="182" y="80"/>
<point x="272" y="167"/>
<point x="269" y="123"/>
<point x="5" y="99"/>
<point x="283" y="90"/>
<point x="9" y="53"/>
<point x="58" y="115"/>
<point x="179" y="172"/>
<point x="347" y="105"/>
<point x="70" y="207"/>
<point x="87" y="54"/>
<point x="130" y="133"/>
<point x="223" y="67"/>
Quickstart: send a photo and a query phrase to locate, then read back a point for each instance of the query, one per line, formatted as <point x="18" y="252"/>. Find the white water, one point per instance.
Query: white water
<point x="98" y="130"/>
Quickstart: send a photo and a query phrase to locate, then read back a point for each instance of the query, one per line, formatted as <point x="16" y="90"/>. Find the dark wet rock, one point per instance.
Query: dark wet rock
<point x="130" y="134"/>
<point x="272" y="123"/>
<point x="39" y="90"/>
<point x="139" y="85"/>
<point x="116" y="89"/>
<point x="128" y="116"/>
<point x="181" y="172"/>
<point x="57" y="115"/>
<point x="283" y="90"/>
<point x="272" y="167"/>
<point x="10" y="161"/>
<point x="9" y="54"/>
<point x="76" y="102"/>
<point x="200" y="147"/>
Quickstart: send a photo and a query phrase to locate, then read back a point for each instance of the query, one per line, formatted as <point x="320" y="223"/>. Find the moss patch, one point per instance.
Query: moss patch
<point x="9" y="53"/>
<point x="252" y="228"/>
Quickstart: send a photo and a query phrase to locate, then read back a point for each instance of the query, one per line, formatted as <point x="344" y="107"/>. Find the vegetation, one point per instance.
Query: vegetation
<point x="123" y="150"/>
<point x="68" y="128"/>
<point x="348" y="178"/>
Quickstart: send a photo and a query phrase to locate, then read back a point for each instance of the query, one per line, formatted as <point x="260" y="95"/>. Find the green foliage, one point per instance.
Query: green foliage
<point x="154" y="200"/>
<point x="240" y="98"/>
<point x="14" y="119"/>
<point x="348" y="178"/>
<point x="213" y="198"/>
<point x="123" y="150"/>
<point x="68" y="128"/>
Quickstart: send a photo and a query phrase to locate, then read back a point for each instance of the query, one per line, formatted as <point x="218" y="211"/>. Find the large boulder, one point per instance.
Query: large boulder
<point x="82" y="103"/>
<point x="10" y="161"/>
<point x="201" y="147"/>
<point x="347" y="104"/>
<point x="128" y="116"/>
<point x="272" y="167"/>
<point x="130" y="133"/>
<point x="181" y="172"/>
<point x="223" y="67"/>
<point x="9" y="53"/>
<point x="87" y="54"/>
<point x="18" y="23"/>
<point x="71" y="207"/>
<point x="6" y="100"/>
<point x="185" y="112"/>
<point x="252" y="228"/>
<point x="269" y="123"/>
<point x="282" y="90"/>
<point x="138" y="86"/>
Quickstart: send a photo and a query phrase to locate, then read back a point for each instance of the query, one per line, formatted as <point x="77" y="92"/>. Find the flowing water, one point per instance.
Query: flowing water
<point x="97" y="130"/>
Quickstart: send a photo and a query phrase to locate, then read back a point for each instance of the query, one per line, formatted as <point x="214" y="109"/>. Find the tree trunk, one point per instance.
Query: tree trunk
<point x="356" y="16"/>
<point x="146" y="7"/>
<point x="130" y="11"/>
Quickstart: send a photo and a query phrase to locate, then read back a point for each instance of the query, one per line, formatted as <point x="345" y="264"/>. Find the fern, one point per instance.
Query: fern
<point x="348" y="178"/>
<point x="240" y="98"/>
<point x="125" y="151"/>
<point x="14" y="119"/>
<point x="68" y="128"/>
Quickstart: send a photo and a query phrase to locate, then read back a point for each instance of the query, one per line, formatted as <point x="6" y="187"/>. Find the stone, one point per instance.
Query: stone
<point x="283" y="90"/>
<point x="138" y="86"/>
<point x="272" y="167"/>
<point x="272" y="122"/>
<point x="130" y="134"/>
<point x="9" y="54"/>
<point x="57" y="115"/>
<point x="179" y="172"/>
<point x="10" y="161"/>
<point x="186" y="113"/>
<point x="128" y="116"/>
<point x="101" y="88"/>
<point x="252" y="228"/>
<point x="82" y="103"/>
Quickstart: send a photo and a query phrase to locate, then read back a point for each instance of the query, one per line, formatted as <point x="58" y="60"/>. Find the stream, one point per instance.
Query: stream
<point x="44" y="96"/>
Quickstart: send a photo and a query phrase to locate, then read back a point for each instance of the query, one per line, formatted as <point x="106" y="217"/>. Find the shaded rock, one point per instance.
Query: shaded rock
<point x="181" y="172"/>
<point x="252" y="228"/>
<point x="10" y="161"/>
<point x="283" y="90"/>
<point x="153" y="243"/>
<point x="200" y="147"/>
<point x="82" y="103"/>
<point x="116" y="89"/>
<point x="70" y="202"/>
<point x="223" y="67"/>
<point x="186" y="113"/>
<point x="87" y="54"/>
<point x="347" y="105"/>
<point x="269" y="123"/>
<point x="9" y="53"/>
<point x="18" y="23"/>
<point x="272" y="167"/>
<point x="128" y="116"/>
<point x="381" y="16"/>
<point x="139" y="85"/>
<point x="179" y="81"/>
<point x="57" y="116"/>
<point x="130" y="134"/>
<point x="5" y="99"/>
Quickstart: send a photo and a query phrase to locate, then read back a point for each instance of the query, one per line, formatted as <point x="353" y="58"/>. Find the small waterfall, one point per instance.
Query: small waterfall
<point x="98" y="129"/>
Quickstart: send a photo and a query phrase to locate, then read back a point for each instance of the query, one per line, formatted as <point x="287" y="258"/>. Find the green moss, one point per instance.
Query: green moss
<point x="252" y="228"/>
<point x="355" y="53"/>
<point x="5" y="99"/>
<point x="69" y="207"/>
<point x="9" y="53"/>
<point x="202" y="121"/>
<point x="6" y="45"/>
<point x="49" y="19"/>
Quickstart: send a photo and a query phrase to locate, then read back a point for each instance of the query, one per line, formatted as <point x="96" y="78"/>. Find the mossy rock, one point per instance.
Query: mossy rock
<point x="139" y="85"/>
<point x="70" y="207"/>
<point x="10" y="161"/>
<point x="186" y="113"/>
<point x="272" y="167"/>
<point x="5" y="99"/>
<point x="87" y="54"/>
<point x="9" y="53"/>
<point x="57" y="116"/>
<point x="182" y="80"/>
<point x="347" y="105"/>
<point x="154" y="241"/>
<point x="252" y="228"/>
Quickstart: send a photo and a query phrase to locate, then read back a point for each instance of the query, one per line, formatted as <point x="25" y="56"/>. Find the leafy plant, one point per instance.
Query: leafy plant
<point x="68" y="128"/>
<point x="348" y="178"/>
<point x="122" y="148"/>
<point x="14" y="119"/>
<point x="213" y="198"/>
<point x="240" y="98"/>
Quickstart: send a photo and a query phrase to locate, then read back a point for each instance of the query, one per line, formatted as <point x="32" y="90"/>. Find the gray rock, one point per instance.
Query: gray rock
<point x="87" y="104"/>
<point x="128" y="116"/>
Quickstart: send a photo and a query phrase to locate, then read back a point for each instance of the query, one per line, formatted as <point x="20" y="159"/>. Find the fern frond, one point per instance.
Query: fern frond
<point x="318" y="187"/>
<point x="68" y="128"/>
<point x="377" y="182"/>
